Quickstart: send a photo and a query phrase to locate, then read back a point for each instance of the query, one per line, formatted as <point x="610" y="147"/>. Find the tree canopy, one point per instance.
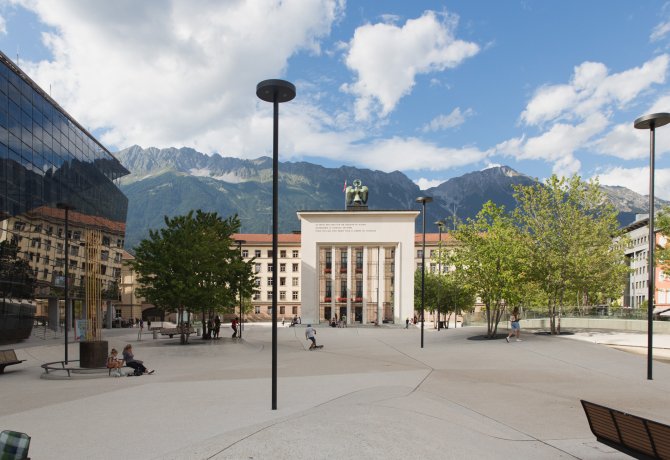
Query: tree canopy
<point x="193" y="264"/>
<point x="568" y="227"/>
<point x="489" y="260"/>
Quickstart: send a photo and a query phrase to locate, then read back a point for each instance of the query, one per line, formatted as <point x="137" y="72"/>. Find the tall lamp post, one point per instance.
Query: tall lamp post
<point x="275" y="91"/>
<point x="423" y="200"/>
<point x="66" y="207"/>
<point x="440" y="227"/>
<point x="239" y="247"/>
<point x="651" y="122"/>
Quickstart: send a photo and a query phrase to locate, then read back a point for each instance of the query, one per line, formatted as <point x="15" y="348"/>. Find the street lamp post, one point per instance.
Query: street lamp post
<point x="66" y="207"/>
<point x="275" y="91"/>
<point x="651" y="122"/>
<point x="239" y="247"/>
<point x="440" y="227"/>
<point x="423" y="200"/>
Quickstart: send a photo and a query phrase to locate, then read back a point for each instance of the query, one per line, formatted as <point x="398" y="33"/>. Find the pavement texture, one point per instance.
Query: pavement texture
<point x="370" y="393"/>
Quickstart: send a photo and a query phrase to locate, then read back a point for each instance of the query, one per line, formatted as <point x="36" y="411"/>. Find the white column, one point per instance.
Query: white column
<point x="333" y="297"/>
<point x="349" y="252"/>
<point x="397" y="286"/>
<point x="381" y="286"/>
<point x="364" y="303"/>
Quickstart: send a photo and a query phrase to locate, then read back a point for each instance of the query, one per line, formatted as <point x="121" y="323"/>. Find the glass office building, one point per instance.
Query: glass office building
<point x="50" y="163"/>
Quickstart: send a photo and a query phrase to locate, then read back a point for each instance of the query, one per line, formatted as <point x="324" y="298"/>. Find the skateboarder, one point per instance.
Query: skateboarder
<point x="310" y="334"/>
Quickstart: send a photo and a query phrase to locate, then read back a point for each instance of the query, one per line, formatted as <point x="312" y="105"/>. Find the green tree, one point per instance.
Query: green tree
<point x="193" y="265"/>
<point x="662" y="224"/>
<point x="489" y="262"/>
<point x="568" y="228"/>
<point x="17" y="279"/>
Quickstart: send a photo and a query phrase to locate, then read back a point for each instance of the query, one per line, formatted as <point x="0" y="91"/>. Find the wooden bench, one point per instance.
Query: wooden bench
<point x="7" y="358"/>
<point x="635" y="436"/>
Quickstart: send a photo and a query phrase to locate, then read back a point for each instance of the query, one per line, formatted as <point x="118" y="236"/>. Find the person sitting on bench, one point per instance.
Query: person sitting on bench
<point x="114" y="363"/>
<point x="136" y="364"/>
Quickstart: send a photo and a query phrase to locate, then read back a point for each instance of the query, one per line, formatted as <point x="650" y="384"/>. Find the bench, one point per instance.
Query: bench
<point x="7" y="358"/>
<point x="172" y="331"/>
<point x="633" y="435"/>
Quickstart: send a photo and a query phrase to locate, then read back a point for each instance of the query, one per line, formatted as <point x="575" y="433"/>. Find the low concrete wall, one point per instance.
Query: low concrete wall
<point x="662" y="327"/>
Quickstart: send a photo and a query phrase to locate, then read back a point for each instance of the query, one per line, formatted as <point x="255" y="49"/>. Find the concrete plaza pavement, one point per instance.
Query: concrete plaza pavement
<point x="370" y="393"/>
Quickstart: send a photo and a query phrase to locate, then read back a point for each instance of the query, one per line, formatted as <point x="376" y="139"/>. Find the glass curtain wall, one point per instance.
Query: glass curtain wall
<point x="48" y="160"/>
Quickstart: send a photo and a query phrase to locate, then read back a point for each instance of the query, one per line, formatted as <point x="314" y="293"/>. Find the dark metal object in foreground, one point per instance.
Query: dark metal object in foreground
<point x="651" y="122"/>
<point x="275" y="91"/>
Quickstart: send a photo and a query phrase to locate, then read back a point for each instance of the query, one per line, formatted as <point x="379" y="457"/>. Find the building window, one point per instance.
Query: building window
<point x="295" y="267"/>
<point x="294" y="310"/>
<point x="74" y="250"/>
<point x="245" y="253"/>
<point x="257" y="282"/>
<point x="257" y="296"/>
<point x="270" y="268"/>
<point x="295" y="254"/>
<point x="282" y="281"/>
<point x="282" y="267"/>
<point x="282" y="310"/>
<point x="295" y="282"/>
<point x="269" y="253"/>
<point x="282" y="295"/>
<point x="257" y="268"/>
<point x="257" y="310"/>
<point x="294" y="295"/>
<point x="257" y="253"/>
<point x="419" y="253"/>
<point x="269" y="297"/>
<point x="282" y="253"/>
<point x="269" y="282"/>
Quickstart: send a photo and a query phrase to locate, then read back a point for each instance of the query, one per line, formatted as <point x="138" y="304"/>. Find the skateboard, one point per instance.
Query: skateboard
<point x="318" y="346"/>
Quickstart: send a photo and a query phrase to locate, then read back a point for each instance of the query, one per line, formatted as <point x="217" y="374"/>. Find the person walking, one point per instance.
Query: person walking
<point x="217" y="326"/>
<point x="407" y="323"/>
<point x="516" y="329"/>
<point x="310" y="334"/>
<point x="139" y="332"/>
<point x="234" y="326"/>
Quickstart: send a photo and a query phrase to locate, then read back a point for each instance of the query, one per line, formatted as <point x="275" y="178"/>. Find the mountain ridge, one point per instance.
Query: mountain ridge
<point x="173" y="181"/>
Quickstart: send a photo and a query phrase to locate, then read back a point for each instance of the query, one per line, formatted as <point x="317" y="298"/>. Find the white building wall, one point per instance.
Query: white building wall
<point x="361" y="228"/>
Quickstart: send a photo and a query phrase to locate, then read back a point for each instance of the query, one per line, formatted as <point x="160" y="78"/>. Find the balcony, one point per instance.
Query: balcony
<point x="327" y="270"/>
<point x="343" y="269"/>
<point x="342" y="299"/>
<point x="327" y="299"/>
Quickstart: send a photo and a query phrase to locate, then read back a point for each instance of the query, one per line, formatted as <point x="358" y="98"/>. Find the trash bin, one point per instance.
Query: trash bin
<point x="155" y="331"/>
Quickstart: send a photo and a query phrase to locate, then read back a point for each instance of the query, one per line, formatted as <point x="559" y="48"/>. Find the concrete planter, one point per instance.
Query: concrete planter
<point x="93" y="354"/>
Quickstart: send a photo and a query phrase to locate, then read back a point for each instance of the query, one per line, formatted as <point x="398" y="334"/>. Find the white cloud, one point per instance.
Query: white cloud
<point x="637" y="179"/>
<point x="660" y="31"/>
<point x="425" y="184"/>
<point x="442" y="122"/>
<point x="625" y="142"/>
<point x="173" y="73"/>
<point x="557" y="145"/>
<point x="3" y="26"/>
<point x="387" y="58"/>
<point x="591" y="90"/>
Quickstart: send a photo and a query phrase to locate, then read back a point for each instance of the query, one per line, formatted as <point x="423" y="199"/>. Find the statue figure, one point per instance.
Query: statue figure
<point x="356" y="195"/>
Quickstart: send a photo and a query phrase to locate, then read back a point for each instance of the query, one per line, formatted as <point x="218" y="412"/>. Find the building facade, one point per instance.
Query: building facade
<point x="636" y="291"/>
<point x="49" y="162"/>
<point x="290" y="277"/>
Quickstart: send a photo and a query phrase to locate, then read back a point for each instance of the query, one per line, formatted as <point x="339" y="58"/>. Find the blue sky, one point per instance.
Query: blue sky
<point x="433" y="89"/>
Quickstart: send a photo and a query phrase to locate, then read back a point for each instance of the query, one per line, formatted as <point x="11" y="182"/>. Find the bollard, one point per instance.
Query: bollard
<point x="155" y="331"/>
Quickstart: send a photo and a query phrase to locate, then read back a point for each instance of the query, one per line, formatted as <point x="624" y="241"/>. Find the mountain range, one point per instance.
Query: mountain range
<point x="174" y="181"/>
